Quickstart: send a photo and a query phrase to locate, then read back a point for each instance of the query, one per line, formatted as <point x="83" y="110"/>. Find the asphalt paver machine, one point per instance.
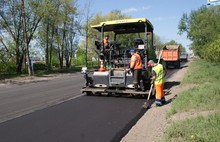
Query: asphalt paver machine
<point x="114" y="77"/>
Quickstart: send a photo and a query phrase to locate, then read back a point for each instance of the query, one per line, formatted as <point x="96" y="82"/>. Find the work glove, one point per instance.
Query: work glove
<point x="152" y="82"/>
<point x="132" y="70"/>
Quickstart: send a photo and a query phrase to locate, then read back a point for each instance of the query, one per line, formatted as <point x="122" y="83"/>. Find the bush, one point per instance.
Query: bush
<point x="7" y="68"/>
<point x="40" y="66"/>
<point x="212" y="51"/>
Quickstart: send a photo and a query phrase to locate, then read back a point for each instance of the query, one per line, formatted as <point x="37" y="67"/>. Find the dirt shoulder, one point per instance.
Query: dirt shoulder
<point x="32" y="79"/>
<point x="152" y="125"/>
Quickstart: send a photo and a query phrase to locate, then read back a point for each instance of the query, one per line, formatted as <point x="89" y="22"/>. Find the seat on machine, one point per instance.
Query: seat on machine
<point x="98" y="45"/>
<point x="137" y="42"/>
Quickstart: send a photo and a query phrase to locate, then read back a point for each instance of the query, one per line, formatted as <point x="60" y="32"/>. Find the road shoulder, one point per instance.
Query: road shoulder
<point x="151" y="126"/>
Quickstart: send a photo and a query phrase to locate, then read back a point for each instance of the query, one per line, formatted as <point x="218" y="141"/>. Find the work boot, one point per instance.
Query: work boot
<point x="158" y="102"/>
<point x="142" y="86"/>
<point x="163" y="101"/>
<point x="136" y="87"/>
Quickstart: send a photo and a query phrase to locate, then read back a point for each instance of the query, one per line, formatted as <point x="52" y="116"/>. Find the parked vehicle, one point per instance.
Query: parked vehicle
<point x="114" y="76"/>
<point x="184" y="57"/>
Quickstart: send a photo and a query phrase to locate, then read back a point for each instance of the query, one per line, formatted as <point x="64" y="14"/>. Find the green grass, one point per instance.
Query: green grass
<point x="200" y="98"/>
<point x="204" y="96"/>
<point x="200" y="129"/>
<point x="42" y="72"/>
<point x="206" y="93"/>
<point x="201" y="71"/>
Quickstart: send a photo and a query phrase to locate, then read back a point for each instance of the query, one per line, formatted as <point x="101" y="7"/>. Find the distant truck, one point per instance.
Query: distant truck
<point x="171" y="55"/>
<point x="184" y="57"/>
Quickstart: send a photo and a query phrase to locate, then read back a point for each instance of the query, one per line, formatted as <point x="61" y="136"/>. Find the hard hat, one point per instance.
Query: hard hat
<point x="150" y="62"/>
<point x="131" y="51"/>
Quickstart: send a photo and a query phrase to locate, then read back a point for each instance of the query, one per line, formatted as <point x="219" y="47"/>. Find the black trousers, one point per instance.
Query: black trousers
<point x="137" y="76"/>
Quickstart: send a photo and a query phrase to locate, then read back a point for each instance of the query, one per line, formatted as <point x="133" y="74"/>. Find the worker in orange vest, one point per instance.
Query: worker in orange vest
<point x="136" y="68"/>
<point x="158" y="78"/>
<point x="106" y="43"/>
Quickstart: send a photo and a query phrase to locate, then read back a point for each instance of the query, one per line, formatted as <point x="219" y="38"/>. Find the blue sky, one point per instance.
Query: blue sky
<point x="163" y="14"/>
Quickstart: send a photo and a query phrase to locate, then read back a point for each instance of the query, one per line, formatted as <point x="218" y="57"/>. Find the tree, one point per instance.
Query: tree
<point x="202" y="28"/>
<point x="173" y="42"/>
<point x="19" y="22"/>
<point x="11" y="28"/>
<point x="95" y="35"/>
<point x="58" y="30"/>
<point x="88" y="16"/>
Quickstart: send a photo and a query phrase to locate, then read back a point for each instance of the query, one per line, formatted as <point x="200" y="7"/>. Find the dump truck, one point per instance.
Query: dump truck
<point x="171" y="55"/>
<point x="184" y="57"/>
<point x="113" y="76"/>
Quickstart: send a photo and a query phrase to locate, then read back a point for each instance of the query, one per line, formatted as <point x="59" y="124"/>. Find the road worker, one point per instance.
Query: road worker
<point x="136" y="68"/>
<point x="158" y="78"/>
<point x="106" y="42"/>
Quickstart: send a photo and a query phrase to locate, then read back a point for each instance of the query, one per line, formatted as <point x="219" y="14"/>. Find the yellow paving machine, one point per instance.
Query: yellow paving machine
<point x="114" y="77"/>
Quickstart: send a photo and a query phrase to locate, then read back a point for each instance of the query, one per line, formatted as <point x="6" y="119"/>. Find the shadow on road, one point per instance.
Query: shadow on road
<point x="184" y="66"/>
<point x="168" y="85"/>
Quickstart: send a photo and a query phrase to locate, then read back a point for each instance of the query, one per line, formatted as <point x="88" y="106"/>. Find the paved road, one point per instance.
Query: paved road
<point x="74" y="117"/>
<point x="17" y="100"/>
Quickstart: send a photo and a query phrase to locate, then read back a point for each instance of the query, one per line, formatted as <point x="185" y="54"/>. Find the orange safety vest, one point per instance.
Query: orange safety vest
<point x="136" y="62"/>
<point x="106" y="44"/>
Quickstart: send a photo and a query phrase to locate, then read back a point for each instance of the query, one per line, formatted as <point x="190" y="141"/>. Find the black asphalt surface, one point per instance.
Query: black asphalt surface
<point x="80" y="119"/>
<point x="85" y="119"/>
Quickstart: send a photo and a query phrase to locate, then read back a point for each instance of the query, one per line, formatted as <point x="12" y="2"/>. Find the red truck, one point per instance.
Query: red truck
<point x="171" y="55"/>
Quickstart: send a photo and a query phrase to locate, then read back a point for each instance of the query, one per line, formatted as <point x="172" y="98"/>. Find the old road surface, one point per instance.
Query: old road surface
<point x="56" y="111"/>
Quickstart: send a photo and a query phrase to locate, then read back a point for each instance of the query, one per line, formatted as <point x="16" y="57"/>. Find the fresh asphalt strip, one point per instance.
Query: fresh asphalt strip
<point x="86" y="118"/>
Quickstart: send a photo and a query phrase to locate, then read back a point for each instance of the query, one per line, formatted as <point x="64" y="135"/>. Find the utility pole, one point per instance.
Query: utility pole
<point x="88" y="16"/>
<point x="87" y="40"/>
<point x="30" y="71"/>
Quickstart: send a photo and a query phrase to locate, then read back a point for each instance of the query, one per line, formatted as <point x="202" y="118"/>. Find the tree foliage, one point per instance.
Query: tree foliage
<point x="57" y="33"/>
<point x="53" y="23"/>
<point x="202" y="27"/>
<point x="173" y="42"/>
<point x="95" y="35"/>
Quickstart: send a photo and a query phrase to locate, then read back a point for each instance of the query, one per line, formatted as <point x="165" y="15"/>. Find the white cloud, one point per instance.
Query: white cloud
<point x="146" y="7"/>
<point x="130" y="10"/>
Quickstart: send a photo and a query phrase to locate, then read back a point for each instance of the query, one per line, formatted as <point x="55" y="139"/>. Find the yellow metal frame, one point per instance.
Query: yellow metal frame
<point x="125" y="26"/>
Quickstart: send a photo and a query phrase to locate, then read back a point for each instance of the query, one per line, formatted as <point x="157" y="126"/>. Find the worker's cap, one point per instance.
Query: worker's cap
<point x="131" y="51"/>
<point x="150" y="62"/>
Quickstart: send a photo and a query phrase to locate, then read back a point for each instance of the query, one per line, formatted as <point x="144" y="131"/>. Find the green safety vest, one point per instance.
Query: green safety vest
<point x="160" y="74"/>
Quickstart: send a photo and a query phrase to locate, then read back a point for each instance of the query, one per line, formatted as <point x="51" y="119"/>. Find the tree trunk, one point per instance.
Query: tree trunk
<point x="47" y="46"/>
<point x="30" y="71"/>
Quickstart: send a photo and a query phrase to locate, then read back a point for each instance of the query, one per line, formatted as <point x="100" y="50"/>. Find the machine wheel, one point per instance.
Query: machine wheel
<point x="89" y="93"/>
<point x="98" y="93"/>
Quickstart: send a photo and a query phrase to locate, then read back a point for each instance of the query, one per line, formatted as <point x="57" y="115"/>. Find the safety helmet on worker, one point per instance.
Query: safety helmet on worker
<point x="150" y="62"/>
<point x="132" y="51"/>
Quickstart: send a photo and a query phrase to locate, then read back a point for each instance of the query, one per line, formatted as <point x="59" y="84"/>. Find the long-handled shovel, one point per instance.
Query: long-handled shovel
<point x="147" y="103"/>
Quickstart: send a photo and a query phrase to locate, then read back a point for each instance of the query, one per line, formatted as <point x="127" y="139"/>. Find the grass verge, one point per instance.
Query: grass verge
<point x="200" y="129"/>
<point x="204" y="96"/>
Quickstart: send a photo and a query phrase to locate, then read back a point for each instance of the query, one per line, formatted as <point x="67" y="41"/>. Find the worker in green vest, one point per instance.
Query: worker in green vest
<point x="158" y="78"/>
